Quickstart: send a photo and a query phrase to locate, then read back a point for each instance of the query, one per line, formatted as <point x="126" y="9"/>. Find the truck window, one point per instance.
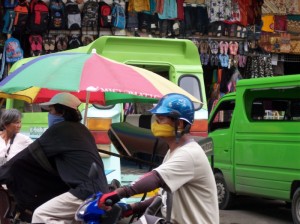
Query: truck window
<point x="275" y="110"/>
<point x="222" y="116"/>
<point x="191" y="84"/>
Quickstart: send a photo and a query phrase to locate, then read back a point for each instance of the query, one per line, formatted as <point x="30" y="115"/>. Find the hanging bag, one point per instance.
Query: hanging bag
<point x="12" y="52"/>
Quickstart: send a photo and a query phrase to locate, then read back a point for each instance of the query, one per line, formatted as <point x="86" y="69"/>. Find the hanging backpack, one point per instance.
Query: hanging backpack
<point x="10" y="4"/>
<point x="39" y="17"/>
<point x="73" y="15"/>
<point x="22" y="17"/>
<point x="118" y="18"/>
<point x="8" y="21"/>
<point x="89" y="15"/>
<point x="12" y="52"/>
<point x="57" y="15"/>
<point x="104" y="15"/>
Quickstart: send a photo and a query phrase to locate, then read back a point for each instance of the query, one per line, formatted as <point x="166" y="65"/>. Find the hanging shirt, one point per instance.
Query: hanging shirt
<point x="169" y="11"/>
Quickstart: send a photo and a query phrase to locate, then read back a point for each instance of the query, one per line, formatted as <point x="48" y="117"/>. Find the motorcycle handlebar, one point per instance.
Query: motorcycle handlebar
<point x="108" y="202"/>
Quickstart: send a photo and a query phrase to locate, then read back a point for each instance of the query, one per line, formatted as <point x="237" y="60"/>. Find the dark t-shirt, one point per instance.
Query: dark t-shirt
<point x="72" y="149"/>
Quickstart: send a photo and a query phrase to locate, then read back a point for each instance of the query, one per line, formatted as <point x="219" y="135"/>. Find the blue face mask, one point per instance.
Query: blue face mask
<point x="53" y="119"/>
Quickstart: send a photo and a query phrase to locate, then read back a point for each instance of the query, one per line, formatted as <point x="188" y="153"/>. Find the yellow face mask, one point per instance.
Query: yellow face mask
<point x="162" y="130"/>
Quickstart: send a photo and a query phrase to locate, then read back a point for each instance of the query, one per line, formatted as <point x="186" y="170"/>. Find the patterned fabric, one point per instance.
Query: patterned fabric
<point x="268" y="23"/>
<point x="259" y="66"/>
<point x="218" y="10"/>
<point x="280" y="23"/>
<point x="293" y="7"/>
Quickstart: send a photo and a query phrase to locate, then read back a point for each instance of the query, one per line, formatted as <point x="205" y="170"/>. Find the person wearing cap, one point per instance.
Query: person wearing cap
<point x="51" y="174"/>
<point x="185" y="175"/>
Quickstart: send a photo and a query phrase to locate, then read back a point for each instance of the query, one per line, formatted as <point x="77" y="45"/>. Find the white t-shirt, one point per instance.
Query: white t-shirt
<point x="189" y="176"/>
<point x="20" y="142"/>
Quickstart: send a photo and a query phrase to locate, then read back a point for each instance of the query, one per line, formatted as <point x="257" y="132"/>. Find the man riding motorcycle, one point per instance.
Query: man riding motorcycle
<point x="50" y="176"/>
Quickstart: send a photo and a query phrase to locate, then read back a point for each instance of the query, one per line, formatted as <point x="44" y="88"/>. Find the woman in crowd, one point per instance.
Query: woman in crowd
<point x="11" y="141"/>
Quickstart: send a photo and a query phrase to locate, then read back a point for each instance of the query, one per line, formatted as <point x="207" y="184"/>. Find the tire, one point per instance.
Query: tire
<point x="296" y="207"/>
<point x="225" y="197"/>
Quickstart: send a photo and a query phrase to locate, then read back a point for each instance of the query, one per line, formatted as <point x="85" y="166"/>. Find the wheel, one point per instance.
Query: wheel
<point x="224" y="196"/>
<point x="296" y="207"/>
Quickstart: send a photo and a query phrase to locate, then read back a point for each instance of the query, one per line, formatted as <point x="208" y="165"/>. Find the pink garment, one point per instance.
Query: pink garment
<point x="233" y="47"/>
<point x="159" y="6"/>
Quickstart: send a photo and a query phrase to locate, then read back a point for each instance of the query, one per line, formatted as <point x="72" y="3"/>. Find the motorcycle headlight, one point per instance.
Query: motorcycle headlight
<point x="79" y="215"/>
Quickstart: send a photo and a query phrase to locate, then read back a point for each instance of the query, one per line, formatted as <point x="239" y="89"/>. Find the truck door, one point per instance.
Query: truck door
<point x="220" y="130"/>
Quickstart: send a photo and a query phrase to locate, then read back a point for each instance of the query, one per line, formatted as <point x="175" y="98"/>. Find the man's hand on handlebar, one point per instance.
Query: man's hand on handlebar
<point x="108" y="199"/>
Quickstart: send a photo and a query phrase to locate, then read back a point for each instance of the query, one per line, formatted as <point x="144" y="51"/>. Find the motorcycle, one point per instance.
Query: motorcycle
<point x="90" y="213"/>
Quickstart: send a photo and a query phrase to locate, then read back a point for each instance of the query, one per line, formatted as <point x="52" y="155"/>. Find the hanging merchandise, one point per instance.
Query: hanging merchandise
<point x="8" y="21"/>
<point x="48" y="43"/>
<point x="21" y="17"/>
<point x="39" y="17"/>
<point x="169" y="10"/>
<point x="87" y="39"/>
<point x="132" y="20"/>
<point x="104" y="15"/>
<point x="90" y="15"/>
<point x="12" y="52"/>
<point x="36" y="44"/>
<point x="61" y="42"/>
<point x="118" y="18"/>
<point x="138" y="5"/>
<point x="73" y="15"/>
<point x="10" y="4"/>
<point x="74" y="41"/>
<point x="57" y="15"/>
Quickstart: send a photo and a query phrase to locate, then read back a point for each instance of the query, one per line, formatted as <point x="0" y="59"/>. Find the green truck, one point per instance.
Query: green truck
<point x="256" y="137"/>
<point x="175" y="59"/>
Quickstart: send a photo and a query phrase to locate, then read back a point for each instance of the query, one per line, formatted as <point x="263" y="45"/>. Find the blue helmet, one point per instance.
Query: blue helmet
<point x="176" y="106"/>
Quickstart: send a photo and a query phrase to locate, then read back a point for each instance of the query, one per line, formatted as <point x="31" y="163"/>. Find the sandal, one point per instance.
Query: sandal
<point x="217" y="60"/>
<point x="87" y="39"/>
<point x="203" y="47"/>
<point x="46" y="43"/>
<point x="214" y="47"/>
<point x="244" y="32"/>
<point x="233" y="29"/>
<point x="36" y="44"/>
<point x="61" y="42"/>
<point x="239" y="31"/>
<point x="241" y="48"/>
<point x="232" y="48"/>
<point x="224" y="59"/>
<point x="51" y="40"/>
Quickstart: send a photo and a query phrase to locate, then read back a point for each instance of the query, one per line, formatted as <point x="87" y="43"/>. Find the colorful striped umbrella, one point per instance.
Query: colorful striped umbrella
<point x="91" y="77"/>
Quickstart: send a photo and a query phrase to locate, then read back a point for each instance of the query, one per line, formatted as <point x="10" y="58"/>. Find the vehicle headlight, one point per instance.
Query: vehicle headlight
<point x="79" y="215"/>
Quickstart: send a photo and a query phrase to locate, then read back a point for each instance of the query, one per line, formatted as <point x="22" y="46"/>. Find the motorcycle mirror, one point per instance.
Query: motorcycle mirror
<point x="93" y="173"/>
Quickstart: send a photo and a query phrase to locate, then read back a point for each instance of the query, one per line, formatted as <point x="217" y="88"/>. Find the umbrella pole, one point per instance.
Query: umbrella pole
<point x="86" y="106"/>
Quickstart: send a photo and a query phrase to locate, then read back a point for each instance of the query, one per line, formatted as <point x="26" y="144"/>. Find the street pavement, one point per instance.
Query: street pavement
<point x="253" y="211"/>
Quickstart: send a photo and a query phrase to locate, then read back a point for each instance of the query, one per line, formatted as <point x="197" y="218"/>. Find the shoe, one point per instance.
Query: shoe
<point x="61" y="42"/>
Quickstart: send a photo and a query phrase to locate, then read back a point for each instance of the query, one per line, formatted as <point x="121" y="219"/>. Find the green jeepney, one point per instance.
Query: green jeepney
<point x="256" y="136"/>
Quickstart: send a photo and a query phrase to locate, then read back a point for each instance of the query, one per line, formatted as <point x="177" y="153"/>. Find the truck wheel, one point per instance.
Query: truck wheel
<point x="224" y="196"/>
<point x="296" y="206"/>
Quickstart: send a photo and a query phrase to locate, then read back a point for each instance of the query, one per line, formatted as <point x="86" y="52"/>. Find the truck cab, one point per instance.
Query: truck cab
<point x="255" y="132"/>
